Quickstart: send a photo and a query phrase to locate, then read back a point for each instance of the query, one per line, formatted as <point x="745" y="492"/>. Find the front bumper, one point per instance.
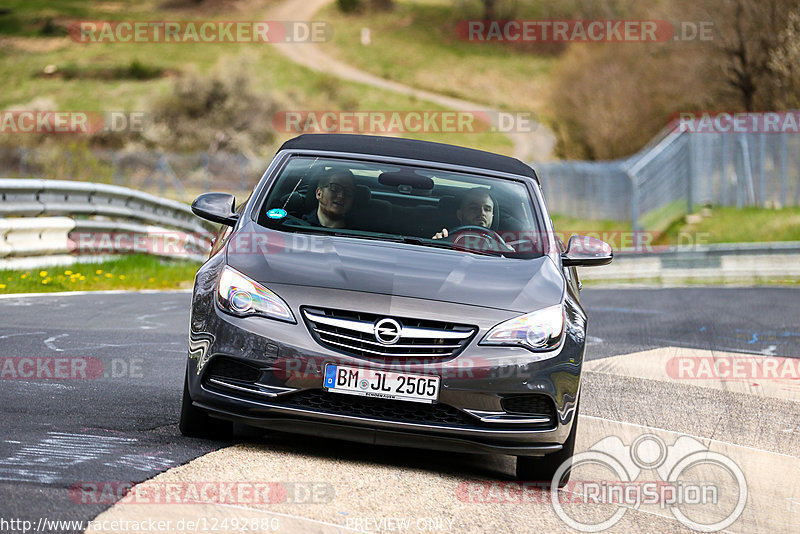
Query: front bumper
<point x="287" y="394"/>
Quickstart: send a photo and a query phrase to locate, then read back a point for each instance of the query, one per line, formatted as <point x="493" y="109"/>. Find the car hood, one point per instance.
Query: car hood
<point x="389" y="268"/>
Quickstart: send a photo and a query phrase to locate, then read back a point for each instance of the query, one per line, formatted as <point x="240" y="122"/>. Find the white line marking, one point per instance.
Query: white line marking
<point x="106" y="292"/>
<point x="50" y="345"/>
<point x="23" y="334"/>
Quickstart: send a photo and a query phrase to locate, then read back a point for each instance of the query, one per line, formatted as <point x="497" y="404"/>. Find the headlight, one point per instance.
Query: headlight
<point x="538" y="331"/>
<point x="241" y="296"/>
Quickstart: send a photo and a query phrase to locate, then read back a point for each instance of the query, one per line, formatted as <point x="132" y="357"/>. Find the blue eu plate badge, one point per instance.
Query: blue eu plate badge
<point x="330" y="375"/>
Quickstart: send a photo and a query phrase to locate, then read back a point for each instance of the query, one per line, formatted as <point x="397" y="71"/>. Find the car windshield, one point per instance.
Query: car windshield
<point x="402" y="203"/>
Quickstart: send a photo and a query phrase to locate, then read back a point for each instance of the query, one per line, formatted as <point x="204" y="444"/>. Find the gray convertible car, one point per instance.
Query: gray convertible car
<point x="395" y="292"/>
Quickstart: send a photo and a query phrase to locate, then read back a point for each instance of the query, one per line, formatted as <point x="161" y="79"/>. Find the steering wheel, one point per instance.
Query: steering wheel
<point x="487" y="238"/>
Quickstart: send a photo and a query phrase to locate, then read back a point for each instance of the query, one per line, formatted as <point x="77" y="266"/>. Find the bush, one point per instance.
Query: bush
<point x="349" y="6"/>
<point x="609" y="100"/>
<point x="137" y="70"/>
<point x="219" y="111"/>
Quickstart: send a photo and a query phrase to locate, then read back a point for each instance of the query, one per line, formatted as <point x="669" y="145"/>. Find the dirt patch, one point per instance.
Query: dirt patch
<point x="111" y="7"/>
<point x="37" y="45"/>
<point x="216" y="7"/>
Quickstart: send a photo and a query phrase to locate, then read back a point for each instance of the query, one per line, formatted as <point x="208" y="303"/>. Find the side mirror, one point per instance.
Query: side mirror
<point x="216" y="207"/>
<point x="585" y="251"/>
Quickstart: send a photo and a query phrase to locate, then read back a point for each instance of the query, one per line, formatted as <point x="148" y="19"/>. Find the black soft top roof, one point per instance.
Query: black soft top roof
<point x="409" y="149"/>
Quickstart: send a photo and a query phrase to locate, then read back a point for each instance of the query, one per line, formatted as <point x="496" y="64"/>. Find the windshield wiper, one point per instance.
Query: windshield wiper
<point x="321" y="230"/>
<point x="441" y="243"/>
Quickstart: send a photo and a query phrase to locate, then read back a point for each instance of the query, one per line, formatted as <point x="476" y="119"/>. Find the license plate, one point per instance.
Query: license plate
<point x="381" y="384"/>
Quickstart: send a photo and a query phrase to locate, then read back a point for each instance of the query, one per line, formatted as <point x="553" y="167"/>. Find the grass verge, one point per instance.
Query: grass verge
<point x="740" y="225"/>
<point x="25" y="52"/>
<point x="600" y="283"/>
<point x="417" y="44"/>
<point x="720" y="225"/>
<point x="130" y="272"/>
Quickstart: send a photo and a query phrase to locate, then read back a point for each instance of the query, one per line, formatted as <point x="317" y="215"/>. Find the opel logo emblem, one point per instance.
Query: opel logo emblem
<point x="387" y="331"/>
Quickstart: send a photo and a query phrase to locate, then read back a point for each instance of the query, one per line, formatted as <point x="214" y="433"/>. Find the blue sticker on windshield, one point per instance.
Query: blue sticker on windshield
<point x="276" y="213"/>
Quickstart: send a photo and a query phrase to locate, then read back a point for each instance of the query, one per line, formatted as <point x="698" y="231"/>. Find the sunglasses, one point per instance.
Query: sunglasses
<point x="338" y="189"/>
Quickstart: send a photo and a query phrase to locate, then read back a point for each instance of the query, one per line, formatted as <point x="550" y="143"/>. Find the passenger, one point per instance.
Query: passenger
<point x="476" y="209"/>
<point x="334" y="196"/>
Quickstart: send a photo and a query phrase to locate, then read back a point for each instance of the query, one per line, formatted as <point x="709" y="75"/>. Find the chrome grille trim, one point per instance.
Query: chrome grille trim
<point x="504" y="417"/>
<point x="255" y="389"/>
<point x="396" y="345"/>
<point x="404" y="354"/>
<point x="368" y="328"/>
<point x="354" y="333"/>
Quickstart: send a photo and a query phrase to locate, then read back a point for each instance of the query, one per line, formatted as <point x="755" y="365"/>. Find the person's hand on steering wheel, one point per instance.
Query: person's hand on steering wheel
<point x="491" y="240"/>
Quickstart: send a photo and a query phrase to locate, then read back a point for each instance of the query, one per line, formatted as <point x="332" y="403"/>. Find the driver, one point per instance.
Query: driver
<point x="476" y="209"/>
<point x="334" y="196"/>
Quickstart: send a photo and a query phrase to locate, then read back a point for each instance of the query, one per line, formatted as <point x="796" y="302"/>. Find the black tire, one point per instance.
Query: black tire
<point x="196" y="423"/>
<point x="542" y="469"/>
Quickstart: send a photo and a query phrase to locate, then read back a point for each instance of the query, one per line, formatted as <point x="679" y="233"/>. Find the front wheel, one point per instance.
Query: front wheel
<point x="196" y="423"/>
<point x="542" y="469"/>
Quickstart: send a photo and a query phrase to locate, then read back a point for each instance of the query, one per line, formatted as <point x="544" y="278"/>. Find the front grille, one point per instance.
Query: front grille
<point x="382" y="409"/>
<point x="529" y="405"/>
<point x="355" y="333"/>
<point x="232" y="369"/>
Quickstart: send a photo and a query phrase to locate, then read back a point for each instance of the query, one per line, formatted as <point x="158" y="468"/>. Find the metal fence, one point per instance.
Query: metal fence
<point x="675" y="173"/>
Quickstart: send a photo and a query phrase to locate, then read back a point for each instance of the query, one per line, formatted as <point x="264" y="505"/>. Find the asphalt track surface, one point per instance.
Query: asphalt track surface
<point x="119" y="424"/>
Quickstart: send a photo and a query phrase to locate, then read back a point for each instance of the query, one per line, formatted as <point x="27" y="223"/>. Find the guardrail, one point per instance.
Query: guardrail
<point x="52" y="217"/>
<point x="721" y="262"/>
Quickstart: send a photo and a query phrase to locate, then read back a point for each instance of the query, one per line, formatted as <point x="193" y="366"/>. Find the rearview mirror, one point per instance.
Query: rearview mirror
<point x="406" y="178"/>
<point x="216" y="207"/>
<point x="585" y="251"/>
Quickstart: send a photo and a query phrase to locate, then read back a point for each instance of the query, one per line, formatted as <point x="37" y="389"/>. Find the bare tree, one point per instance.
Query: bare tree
<point x="746" y="36"/>
<point x="784" y="61"/>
